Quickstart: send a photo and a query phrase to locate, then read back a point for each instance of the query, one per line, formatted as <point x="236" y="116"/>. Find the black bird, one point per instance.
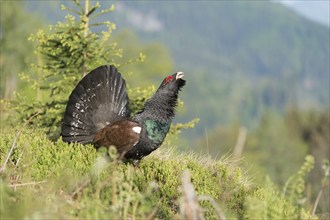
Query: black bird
<point x="98" y="112"/>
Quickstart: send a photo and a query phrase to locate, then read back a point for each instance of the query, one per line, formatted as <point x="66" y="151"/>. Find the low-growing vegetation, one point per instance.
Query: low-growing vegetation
<point x="45" y="179"/>
<point x="41" y="177"/>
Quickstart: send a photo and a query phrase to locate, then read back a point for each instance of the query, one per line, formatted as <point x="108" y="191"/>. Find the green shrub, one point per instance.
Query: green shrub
<point x="45" y="179"/>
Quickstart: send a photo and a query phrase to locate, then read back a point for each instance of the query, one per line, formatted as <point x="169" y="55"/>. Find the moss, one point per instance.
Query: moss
<point x="45" y="179"/>
<point x="207" y="180"/>
<point x="36" y="157"/>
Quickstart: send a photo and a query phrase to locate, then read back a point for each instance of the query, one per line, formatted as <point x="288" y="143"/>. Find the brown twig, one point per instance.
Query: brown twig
<point x="3" y="167"/>
<point x="218" y="210"/>
<point x="154" y="211"/>
<point x="324" y="185"/>
<point x="27" y="184"/>
<point x="78" y="189"/>
<point x="189" y="207"/>
<point x="317" y="202"/>
<point x="20" y="156"/>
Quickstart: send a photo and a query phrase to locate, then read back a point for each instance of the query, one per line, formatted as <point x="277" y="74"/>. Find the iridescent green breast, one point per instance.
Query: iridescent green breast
<point x="156" y="130"/>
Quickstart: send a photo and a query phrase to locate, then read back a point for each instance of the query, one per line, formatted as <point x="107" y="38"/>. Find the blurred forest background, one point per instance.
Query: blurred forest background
<point x="257" y="74"/>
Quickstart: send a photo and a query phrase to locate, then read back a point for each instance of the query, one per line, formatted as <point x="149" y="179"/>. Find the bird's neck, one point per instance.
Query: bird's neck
<point x="161" y="107"/>
<point x="156" y="117"/>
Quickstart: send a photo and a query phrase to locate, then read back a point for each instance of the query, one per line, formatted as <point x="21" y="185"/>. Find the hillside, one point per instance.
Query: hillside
<point x="41" y="179"/>
<point x="242" y="58"/>
<point x="245" y="57"/>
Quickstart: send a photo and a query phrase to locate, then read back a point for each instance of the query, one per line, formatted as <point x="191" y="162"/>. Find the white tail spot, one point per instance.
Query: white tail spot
<point x="137" y="130"/>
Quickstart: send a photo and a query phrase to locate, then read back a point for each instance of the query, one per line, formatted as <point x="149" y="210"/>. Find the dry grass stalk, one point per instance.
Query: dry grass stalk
<point x="189" y="207"/>
<point x="13" y="145"/>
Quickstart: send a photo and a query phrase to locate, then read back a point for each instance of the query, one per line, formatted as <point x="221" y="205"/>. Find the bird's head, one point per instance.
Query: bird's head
<point x="165" y="100"/>
<point x="172" y="84"/>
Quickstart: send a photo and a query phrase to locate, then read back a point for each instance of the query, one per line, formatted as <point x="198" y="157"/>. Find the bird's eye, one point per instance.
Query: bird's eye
<point x="168" y="79"/>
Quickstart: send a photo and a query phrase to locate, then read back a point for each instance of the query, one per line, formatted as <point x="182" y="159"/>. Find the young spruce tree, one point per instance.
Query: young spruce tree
<point x="65" y="53"/>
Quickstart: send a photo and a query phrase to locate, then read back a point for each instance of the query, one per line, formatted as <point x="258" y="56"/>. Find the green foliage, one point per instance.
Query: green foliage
<point x="65" y="53"/>
<point x="277" y="148"/>
<point x="44" y="158"/>
<point x="176" y="129"/>
<point x="312" y="127"/>
<point x="267" y="203"/>
<point x="264" y="145"/>
<point x="157" y="61"/>
<point x="326" y="172"/>
<point x="272" y="140"/>
<point x="166" y="173"/>
<point x="294" y="189"/>
<point x="45" y="179"/>
<point x="15" y="54"/>
<point x="244" y="73"/>
<point x="138" y="96"/>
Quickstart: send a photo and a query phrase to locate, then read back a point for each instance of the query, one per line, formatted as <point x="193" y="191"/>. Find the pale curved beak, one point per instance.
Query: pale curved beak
<point x="179" y="75"/>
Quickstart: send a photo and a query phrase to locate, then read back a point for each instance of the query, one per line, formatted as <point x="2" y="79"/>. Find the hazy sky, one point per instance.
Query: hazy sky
<point x="317" y="10"/>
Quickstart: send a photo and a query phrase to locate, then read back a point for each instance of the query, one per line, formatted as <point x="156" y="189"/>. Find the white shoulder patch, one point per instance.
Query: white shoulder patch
<point x="137" y="129"/>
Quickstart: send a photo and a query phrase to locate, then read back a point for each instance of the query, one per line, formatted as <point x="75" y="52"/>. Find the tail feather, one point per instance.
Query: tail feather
<point x="100" y="98"/>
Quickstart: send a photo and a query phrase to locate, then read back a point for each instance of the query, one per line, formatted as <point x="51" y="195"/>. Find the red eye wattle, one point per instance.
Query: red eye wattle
<point x="168" y="79"/>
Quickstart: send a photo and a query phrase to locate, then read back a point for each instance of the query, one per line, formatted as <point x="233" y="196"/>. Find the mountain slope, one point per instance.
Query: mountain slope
<point x="241" y="58"/>
<point x="244" y="57"/>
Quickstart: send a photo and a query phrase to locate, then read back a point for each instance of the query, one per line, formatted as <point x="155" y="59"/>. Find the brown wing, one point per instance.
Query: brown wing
<point x="123" y="134"/>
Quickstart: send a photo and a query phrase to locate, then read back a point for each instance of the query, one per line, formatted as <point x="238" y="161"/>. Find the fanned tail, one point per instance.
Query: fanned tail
<point x="99" y="99"/>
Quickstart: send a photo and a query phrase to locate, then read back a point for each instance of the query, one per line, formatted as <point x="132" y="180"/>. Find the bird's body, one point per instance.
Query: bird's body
<point x="98" y="113"/>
